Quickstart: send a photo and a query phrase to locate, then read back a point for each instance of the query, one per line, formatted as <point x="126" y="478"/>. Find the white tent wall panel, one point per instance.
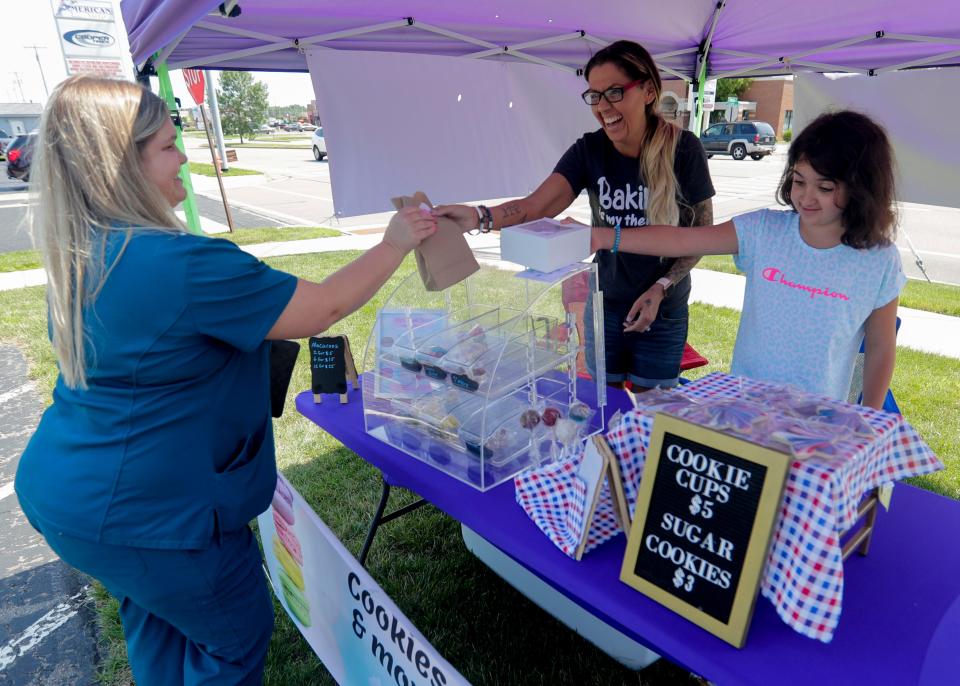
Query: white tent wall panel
<point x="919" y="111"/>
<point x="397" y="122"/>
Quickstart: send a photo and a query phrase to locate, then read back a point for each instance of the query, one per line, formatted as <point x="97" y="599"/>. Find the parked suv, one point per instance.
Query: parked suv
<point x="5" y="139"/>
<point x="19" y="156"/>
<point x="739" y="139"/>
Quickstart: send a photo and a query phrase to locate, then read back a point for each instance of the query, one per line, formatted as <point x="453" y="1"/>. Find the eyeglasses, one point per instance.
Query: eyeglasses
<point x="611" y="94"/>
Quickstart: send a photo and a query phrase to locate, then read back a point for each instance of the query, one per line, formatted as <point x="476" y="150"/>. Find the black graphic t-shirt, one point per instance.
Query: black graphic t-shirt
<point x="617" y="193"/>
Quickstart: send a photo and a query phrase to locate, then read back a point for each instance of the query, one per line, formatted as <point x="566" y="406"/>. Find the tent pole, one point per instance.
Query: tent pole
<point x="701" y="81"/>
<point x="700" y="75"/>
<point x="190" y="203"/>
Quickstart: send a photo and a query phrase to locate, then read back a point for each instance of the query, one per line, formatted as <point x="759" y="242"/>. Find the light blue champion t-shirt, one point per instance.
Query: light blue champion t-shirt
<point x="804" y="308"/>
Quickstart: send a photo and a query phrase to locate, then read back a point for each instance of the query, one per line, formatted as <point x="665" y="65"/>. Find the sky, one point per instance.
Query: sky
<point x="30" y="22"/>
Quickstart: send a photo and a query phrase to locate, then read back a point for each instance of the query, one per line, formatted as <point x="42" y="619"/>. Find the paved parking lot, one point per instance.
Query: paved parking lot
<point x="295" y="190"/>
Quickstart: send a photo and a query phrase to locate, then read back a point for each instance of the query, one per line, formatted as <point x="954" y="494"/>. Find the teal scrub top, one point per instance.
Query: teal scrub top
<point x="172" y="443"/>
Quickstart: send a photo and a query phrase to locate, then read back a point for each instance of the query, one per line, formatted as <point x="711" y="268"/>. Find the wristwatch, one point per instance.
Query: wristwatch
<point x="665" y="282"/>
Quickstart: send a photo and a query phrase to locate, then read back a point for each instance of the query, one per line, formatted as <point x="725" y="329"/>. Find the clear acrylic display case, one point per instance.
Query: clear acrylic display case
<point x="481" y="380"/>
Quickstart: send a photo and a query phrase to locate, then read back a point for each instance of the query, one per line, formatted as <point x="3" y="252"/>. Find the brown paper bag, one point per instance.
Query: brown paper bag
<point x="443" y="259"/>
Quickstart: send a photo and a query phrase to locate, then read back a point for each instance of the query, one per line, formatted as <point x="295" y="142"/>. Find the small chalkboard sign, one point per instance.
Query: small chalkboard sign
<point x="705" y="512"/>
<point x="331" y="366"/>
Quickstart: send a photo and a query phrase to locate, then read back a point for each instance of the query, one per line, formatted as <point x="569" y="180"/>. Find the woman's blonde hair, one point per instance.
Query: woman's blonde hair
<point x="88" y="179"/>
<point x="660" y="140"/>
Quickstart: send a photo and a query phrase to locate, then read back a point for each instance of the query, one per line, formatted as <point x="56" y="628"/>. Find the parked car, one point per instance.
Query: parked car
<point x="266" y="128"/>
<point x="5" y="139"/>
<point x="19" y="156"/>
<point x="319" y="144"/>
<point x="306" y="126"/>
<point x="739" y="139"/>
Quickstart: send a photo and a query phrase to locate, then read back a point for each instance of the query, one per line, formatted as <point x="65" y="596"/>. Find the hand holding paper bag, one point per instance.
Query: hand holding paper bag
<point x="443" y="259"/>
<point x="408" y="228"/>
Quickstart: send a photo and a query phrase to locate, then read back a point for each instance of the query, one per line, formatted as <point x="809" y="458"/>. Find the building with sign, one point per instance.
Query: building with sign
<point x="768" y="99"/>
<point x="89" y="38"/>
<point x="19" y="117"/>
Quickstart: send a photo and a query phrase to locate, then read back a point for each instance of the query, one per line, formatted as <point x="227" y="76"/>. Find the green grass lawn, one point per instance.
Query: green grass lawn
<point x="205" y="169"/>
<point x="465" y="610"/>
<point x="30" y="259"/>
<point x="917" y="294"/>
<point x="273" y="146"/>
<point x="229" y="141"/>
<point x="19" y="260"/>
<point x="269" y="234"/>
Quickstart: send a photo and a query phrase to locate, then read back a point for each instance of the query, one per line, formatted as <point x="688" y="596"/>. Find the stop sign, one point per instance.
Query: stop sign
<point x="194" y="81"/>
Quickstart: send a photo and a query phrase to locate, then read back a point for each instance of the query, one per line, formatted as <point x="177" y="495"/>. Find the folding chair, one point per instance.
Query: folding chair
<point x="856" y="385"/>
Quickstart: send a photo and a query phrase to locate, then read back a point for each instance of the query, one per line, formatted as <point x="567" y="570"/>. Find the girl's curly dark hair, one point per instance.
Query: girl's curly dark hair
<point x="850" y="148"/>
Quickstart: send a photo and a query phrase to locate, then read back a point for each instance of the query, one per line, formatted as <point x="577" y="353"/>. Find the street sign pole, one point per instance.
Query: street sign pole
<point x="216" y="168"/>
<point x="215" y="116"/>
<point x="194" y="78"/>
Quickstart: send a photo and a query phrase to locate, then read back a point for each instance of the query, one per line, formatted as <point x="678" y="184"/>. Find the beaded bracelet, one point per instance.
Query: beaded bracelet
<point x="488" y="223"/>
<point x="616" y="239"/>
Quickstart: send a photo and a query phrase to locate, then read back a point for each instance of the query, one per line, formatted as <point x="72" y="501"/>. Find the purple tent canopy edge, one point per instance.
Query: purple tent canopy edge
<point x="877" y="34"/>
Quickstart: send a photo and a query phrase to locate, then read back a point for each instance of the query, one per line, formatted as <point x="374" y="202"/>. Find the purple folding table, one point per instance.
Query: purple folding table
<point x="901" y="607"/>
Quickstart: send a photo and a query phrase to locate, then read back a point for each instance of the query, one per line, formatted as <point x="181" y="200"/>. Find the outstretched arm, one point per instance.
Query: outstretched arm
<point x="670" y="241"/>
<point x="551" y="198"/>
<point x="702" y="216"/>
<point x="880" y="353"/>
<point x="315" y="307"/>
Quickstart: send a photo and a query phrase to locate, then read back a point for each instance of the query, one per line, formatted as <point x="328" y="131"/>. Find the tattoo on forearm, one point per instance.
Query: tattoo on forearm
<point x="703" y="213"/>
<point x="513" y="213"/>
<point x="681" y="267"/>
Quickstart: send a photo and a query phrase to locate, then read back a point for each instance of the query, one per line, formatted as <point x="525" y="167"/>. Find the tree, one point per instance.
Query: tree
<point x="243" y="103"/>
<point x="728" y="88"/>
<point x="288" y="112"/>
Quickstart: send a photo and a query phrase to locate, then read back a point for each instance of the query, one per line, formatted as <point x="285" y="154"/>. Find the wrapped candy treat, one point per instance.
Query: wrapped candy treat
<point x="848" y="417"/>
<point x="726" y="415"/>
<point x="660" y="400"/>
<point x="566" y="431"/>
<point x="580" y="412"/>
<point x="811" y="439"/>
<point x="529" y="419"/>
<point x="550" y="416"/>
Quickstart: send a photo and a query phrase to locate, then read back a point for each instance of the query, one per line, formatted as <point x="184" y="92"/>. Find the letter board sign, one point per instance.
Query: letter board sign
<point x="705" y="511"/>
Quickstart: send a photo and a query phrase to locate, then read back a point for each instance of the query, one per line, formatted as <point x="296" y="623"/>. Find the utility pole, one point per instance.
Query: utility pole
<point x="16" y="75"/>
<point x="36" y="53"/>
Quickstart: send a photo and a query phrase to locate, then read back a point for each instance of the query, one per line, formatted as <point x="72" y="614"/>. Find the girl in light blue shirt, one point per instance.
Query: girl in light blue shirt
<point x="823" y="276"/>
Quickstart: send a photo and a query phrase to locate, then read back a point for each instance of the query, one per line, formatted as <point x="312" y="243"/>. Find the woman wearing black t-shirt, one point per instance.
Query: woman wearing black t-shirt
<point x="638" y="169"/>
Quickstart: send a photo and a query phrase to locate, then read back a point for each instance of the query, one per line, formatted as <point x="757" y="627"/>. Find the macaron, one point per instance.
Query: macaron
<point x="296" y="602"/>
<point x="283" y="500"/>
<point x="283" y="490"/>
<point x="288" y="538"/>
<point x="286" y="562"/>
<point x="282" y="507"/>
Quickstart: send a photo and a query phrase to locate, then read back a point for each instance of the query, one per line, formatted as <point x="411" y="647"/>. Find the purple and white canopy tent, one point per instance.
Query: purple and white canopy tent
<point x="690" y="39"/>
<point x="738" y="36"/>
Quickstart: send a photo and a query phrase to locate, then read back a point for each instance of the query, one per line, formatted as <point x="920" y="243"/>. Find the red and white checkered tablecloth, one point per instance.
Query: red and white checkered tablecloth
<point x="804" y="573"/>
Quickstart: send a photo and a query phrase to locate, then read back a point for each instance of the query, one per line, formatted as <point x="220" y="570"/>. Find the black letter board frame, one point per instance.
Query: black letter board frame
<point x="331" y="367"/>
<point x="731" y="620"/>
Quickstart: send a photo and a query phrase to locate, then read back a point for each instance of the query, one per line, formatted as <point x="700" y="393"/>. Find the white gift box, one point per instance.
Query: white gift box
<point x="545" y="244"/>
